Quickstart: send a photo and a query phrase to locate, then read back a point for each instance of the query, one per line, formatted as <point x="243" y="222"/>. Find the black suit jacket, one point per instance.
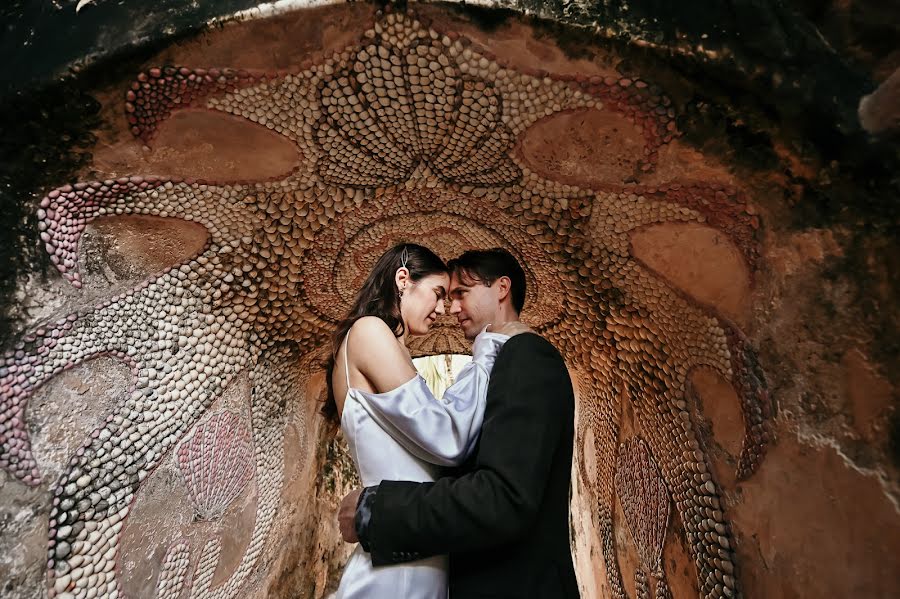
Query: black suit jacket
<point x="505" y="519"/>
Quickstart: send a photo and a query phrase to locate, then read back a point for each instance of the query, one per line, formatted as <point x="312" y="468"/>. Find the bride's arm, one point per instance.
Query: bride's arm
<point x="442" y="432"/>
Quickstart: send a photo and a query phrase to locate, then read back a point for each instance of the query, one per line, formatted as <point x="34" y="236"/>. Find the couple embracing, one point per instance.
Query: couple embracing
<point x="468" y="496"/>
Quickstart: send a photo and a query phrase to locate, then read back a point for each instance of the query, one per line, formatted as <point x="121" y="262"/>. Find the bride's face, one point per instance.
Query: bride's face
<point x="423" y="302"/>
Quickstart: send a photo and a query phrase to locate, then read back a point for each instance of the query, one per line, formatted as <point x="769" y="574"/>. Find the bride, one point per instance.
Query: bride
<point x="394" y="426"/>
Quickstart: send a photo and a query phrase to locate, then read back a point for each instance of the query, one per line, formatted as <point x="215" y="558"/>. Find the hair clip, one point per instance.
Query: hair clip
<point x="404" y="257"/>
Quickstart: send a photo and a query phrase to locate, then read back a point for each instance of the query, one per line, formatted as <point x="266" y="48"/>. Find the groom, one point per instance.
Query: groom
<point x="504" y="515"/>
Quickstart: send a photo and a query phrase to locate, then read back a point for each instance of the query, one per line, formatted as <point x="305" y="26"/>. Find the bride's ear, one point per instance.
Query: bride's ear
<point x="401" y="278"/>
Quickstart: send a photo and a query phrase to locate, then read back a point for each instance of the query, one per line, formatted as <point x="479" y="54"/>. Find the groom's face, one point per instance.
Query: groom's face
<point x="473" y="303"/>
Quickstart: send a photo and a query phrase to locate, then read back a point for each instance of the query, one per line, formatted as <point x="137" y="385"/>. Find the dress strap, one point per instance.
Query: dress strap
<point x="347" y="351"/>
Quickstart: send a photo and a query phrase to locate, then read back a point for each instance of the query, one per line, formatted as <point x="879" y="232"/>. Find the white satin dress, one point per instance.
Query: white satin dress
<point x="407" y="434"/>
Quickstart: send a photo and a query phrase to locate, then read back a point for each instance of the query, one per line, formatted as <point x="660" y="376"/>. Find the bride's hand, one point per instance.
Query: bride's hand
<point x="511" y="328"/>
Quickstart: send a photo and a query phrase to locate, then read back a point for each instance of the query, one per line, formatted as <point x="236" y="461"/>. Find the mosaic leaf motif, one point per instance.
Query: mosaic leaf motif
<point x="263" y="294"/>
<point x="645" y="500"/>
<point x="216" y="462"/>
<point x="174" y="570"/>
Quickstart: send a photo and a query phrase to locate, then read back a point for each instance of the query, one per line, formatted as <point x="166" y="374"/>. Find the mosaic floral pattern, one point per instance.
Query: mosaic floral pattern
<point x="407" y="136"/>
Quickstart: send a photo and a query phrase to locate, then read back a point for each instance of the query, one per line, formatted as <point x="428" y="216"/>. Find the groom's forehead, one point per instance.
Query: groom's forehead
<point x="461" y="279"/>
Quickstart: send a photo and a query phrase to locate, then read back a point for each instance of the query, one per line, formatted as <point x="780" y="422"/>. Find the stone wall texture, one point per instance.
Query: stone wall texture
<point x="720" y="278"/>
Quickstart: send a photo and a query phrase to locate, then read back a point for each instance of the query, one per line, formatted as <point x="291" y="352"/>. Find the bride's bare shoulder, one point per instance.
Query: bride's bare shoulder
<point x="377" y="354"/>
<point x="373" y="334"/>
<point x="371" y="326"/>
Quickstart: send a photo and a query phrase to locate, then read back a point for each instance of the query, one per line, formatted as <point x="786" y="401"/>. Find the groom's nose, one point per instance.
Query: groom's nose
<point x="455" y="308"/>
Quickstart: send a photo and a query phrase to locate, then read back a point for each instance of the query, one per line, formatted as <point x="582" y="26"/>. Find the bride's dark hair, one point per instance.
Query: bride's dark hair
<point x="379" y="297"/>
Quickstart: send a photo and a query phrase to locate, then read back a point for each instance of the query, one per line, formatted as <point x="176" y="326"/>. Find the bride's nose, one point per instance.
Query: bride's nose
<point x="439" y="308"/>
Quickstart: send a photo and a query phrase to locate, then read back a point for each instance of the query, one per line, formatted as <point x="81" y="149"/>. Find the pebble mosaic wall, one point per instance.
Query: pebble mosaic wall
<point x="410" y="135"/>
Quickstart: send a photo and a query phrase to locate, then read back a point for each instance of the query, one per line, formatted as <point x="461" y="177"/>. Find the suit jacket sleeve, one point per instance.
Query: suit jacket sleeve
<point x="530" y="402"/>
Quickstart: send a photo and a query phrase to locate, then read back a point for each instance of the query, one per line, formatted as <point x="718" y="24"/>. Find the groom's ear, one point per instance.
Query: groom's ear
<point x="504" y="287"/>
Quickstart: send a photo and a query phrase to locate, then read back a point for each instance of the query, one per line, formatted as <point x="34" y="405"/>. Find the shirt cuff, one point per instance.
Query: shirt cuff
<point x="363" y="519"/>
<point x="486" y="347"/>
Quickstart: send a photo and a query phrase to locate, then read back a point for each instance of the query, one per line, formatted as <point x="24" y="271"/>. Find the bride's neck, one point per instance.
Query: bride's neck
<point x="404" y="336"/>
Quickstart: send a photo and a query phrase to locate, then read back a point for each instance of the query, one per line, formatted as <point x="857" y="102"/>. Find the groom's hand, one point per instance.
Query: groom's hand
<point x="347" y="516"/>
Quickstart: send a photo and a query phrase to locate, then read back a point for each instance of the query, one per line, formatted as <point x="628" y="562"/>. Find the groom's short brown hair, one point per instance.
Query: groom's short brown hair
<point x="486" y="266"/>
